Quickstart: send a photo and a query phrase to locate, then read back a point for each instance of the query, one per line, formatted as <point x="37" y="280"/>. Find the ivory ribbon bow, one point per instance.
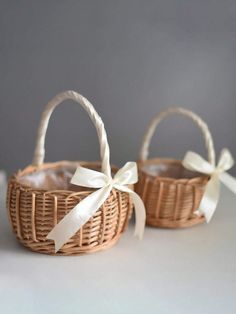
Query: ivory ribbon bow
<point x="86" y="208"/>
<point x="195" y="162"/>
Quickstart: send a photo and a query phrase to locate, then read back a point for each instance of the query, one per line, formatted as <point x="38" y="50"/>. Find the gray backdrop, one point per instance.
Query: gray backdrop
<point x="130" y="59"/>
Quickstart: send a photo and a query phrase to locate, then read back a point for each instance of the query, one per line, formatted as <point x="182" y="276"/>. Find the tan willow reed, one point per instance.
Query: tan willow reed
<point x="41" y="195"/>
<point x="171" y="194"/>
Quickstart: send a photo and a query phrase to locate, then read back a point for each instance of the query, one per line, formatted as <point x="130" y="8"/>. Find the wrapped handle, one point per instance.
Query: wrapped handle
<point x="144" y="151"/>
<point x="39" y="152"/>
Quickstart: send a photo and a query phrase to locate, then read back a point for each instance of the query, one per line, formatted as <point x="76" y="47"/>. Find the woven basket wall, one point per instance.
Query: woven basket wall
<point x="34" y="212"/>
<point x="170" y="203"/>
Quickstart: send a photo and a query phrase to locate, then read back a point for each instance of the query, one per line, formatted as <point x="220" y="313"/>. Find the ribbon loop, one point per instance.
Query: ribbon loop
<point x="226" y="160"/>
<point x="127" y="174"/>
<point x="85" y="209"/>
<point x="89" y="178"/>
<point x="194" y="162"/>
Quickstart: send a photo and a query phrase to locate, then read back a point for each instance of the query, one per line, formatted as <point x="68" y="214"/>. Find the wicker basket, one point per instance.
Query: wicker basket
<point x="170" y="192"/>
<point x="41" y="195"/>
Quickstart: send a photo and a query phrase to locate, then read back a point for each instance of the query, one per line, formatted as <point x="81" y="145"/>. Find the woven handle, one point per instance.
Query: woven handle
<point x="39" y="152"/>
<point x="144" y="152"/>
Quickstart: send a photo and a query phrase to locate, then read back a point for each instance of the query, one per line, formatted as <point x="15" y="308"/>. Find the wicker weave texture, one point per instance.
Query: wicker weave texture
<point x="170" y="203"/>
<point x="33" y="213"/>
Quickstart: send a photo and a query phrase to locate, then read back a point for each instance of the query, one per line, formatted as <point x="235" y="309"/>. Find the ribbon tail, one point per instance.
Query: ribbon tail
<point x="228" y="181"/>
<point x="140" y="215"/>
<point x="210" y="199"/>
<point x="78" y="216"/>
<point x="140" y="212"/>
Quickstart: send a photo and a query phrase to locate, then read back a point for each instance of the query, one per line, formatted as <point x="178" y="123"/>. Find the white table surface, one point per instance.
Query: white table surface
<point x="188" y="271"/>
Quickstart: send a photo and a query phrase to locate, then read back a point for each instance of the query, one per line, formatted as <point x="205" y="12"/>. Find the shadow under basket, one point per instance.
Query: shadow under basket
<point x="171" y="193"/>
<point x="38" y="198"/>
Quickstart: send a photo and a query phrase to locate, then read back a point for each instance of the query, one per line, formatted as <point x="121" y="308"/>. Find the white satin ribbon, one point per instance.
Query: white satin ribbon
<point x="195" y="162"/>
<point x="86" y="208"/>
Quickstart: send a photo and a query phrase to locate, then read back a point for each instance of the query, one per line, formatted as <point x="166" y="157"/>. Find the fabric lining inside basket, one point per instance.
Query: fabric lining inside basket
<point x="57" y="178"/>
<point x="170" y="170"/>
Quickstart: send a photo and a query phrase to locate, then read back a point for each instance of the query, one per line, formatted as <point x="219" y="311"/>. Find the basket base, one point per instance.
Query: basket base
<point x="40" y="248"/>
<point x="177" y="224"/>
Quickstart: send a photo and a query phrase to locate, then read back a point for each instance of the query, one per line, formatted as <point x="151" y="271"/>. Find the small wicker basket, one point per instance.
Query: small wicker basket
<point x="41" y="195"/>
<point x="170" y="192"/>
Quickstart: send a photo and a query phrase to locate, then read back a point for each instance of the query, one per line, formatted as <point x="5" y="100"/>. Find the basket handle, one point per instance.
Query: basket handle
<point x="144" y="151"/>
<point x="39" y="152"/>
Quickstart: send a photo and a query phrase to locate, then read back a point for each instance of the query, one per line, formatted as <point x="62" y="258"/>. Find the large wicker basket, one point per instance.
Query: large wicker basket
<point x="41" y="195"/>
<point x="170" y="192"/>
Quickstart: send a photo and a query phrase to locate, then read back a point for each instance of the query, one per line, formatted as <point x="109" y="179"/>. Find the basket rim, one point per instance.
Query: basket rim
<point x="196" y="179"/>
<point x="53" y="165"/>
